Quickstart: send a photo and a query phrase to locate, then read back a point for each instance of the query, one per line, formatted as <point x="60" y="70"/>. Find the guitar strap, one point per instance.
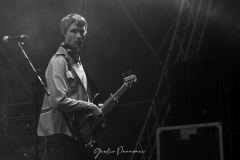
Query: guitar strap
<point x="91" y="86"/>
<point x="93" y="89"/>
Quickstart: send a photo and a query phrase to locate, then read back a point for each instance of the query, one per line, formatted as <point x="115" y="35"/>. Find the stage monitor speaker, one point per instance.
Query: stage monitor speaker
<point x="195" y="91"/>
<point x="190" y="142"/>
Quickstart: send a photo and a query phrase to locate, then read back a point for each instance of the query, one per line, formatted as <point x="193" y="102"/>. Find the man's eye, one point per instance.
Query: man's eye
<point x="82" y="32"/>
<point x="74" y="31"/>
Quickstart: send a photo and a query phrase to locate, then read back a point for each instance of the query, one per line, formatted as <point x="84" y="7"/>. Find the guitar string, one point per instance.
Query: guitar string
<point x="119" y="93"/>
<point x="110" y="99"/>
<point x="91" y="128"/>
<point x="89" y="131"/>
<point x="106" y="109"/>
<point x="93" y="124"/>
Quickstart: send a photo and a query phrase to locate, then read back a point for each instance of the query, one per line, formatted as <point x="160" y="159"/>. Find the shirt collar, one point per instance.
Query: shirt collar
<point x="67" y="52"/>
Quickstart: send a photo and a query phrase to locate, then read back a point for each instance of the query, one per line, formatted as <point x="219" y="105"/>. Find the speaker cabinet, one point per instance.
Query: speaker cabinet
<point x="190" y="142"/>
<point x="195" y="91"/>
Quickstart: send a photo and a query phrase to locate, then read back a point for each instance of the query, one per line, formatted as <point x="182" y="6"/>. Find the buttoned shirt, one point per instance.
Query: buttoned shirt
<point x="67" y="84"/>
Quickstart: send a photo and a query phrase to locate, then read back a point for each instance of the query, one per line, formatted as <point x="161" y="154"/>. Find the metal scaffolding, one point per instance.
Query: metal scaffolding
<point x="190" y="25"/>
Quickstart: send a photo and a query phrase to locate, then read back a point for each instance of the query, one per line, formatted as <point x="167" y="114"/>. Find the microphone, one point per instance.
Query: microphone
<point x="7" y="39"/>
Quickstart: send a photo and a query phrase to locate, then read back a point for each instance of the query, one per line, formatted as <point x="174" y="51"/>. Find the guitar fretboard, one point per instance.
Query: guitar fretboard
<point x="112" y="100"/>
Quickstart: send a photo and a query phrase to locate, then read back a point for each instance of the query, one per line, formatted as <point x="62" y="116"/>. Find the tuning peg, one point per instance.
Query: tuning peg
<point x="127" y="73"/>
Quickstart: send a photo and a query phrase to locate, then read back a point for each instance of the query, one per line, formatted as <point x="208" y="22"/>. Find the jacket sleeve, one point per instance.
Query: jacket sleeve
<point x="55" y="76"/>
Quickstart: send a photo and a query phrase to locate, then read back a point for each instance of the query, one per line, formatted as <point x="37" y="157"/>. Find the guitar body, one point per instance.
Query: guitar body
<point x="82" y="124"/>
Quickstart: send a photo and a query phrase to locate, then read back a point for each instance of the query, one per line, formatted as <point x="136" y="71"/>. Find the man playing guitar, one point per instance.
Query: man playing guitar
<point x="70" y="90"/>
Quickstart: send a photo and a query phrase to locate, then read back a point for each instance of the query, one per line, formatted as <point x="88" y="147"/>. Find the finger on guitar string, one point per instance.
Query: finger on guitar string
<point x="96" y="111"/>
<point x="100" y="105"/>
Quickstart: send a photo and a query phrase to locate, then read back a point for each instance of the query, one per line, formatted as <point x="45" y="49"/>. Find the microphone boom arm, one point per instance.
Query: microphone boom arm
<point x="21" y="44"/>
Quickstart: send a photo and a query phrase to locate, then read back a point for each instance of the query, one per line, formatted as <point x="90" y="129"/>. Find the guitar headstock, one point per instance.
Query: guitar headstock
<point x="129" y="78"/>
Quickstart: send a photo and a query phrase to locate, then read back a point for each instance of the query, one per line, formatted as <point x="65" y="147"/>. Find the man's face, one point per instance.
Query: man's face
<point x="75" y="36"/>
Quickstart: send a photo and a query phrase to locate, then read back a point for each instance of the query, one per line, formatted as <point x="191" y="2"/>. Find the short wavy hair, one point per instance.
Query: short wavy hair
<point x="70" y="19"/>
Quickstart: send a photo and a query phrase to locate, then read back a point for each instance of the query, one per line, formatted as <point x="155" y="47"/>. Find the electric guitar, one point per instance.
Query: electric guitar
<point x="87" y="126"/>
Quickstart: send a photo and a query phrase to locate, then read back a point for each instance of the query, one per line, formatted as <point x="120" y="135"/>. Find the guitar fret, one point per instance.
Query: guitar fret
<point x="117" y="94"/>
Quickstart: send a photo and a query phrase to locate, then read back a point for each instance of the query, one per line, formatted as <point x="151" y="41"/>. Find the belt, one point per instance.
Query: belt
<point x="46" y="110"/>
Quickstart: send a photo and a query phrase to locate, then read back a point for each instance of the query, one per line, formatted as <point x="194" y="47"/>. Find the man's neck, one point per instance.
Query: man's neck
<point x="75" y="51"/>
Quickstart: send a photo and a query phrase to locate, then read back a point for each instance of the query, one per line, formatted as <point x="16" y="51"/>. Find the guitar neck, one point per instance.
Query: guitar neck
<point x="107" y="105"/>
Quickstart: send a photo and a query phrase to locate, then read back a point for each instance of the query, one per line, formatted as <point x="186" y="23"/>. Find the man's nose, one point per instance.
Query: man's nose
<point x="78" y="35"/>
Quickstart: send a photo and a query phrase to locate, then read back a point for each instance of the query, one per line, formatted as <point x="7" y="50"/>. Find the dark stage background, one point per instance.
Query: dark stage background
<point x="113" y="45"/>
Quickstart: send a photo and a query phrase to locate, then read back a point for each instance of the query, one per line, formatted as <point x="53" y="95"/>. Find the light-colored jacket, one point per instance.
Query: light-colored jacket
<point x="68" y="93"/>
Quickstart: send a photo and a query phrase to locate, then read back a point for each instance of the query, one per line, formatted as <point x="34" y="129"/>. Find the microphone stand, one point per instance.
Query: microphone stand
<point x="37" y="81"/>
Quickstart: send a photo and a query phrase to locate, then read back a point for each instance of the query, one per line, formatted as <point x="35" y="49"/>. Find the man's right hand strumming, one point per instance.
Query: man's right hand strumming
<point x="96" y="111"/>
